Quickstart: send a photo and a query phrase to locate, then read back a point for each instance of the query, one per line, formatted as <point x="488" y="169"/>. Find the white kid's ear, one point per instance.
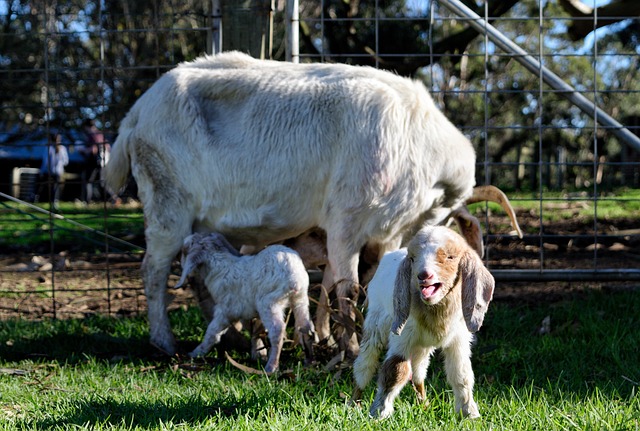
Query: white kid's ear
<point x="477" y="290"/>
<point x="191" y="258"/>
<point x="402" y="296"/>
<point x="219" y="241"/>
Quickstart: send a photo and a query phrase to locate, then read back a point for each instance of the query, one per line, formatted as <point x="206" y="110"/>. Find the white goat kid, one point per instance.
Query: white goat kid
<point x="262" y="151"/>
<point x="440" y="294"/>
<point x="244" y="287"/>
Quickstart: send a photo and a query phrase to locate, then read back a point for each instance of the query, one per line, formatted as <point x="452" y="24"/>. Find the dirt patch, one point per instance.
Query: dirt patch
<point x="76" y="285"/>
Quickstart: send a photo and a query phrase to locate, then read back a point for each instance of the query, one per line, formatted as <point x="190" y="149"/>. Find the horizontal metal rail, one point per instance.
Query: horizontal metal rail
<point x="543" y="275"/>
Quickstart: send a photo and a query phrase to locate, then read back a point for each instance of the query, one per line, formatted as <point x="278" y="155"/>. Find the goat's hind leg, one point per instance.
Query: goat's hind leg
<point x="368" y="360"/>
<point x="304" y="330"/>
<point x="343" y="261"/>
<point x="273" y="320"/>
<point x="167" y="223"/>
<point x="323" y="311"/>
<point x="394" y="374"/>
<point x="155" y="272"/>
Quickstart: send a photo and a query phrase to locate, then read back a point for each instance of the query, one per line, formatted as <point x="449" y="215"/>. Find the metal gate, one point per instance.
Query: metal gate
<point x="552" y="118"/>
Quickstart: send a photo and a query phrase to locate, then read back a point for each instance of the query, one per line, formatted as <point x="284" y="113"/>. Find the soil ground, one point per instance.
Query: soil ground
<point x="75" y="286"/>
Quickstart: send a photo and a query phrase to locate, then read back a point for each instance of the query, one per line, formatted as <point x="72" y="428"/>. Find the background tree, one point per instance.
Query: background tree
<point x="65" y="60"/>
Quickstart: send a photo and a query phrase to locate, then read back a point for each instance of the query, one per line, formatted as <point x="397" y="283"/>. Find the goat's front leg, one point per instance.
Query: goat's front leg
<point x="202" y="295"/>
<point x="323" y="311"/>
<point x="394" y="374"/>
<point x="457" y="360"/>
<point x="420" y="360"/>
<point x="343" y="261"/>
<point x="216" y="329"/>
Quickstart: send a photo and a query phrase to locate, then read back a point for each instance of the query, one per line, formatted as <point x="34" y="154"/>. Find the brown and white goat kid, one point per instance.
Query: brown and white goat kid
<point x="243" y="287"/>
<point x="441" y="292"/>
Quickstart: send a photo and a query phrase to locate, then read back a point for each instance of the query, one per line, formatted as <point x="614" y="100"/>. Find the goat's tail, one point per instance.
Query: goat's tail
<point x="116" y="172"/>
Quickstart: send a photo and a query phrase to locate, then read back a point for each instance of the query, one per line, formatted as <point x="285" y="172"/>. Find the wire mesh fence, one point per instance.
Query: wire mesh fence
<point x="573" y="179"/>
<point x="533" y="138"/>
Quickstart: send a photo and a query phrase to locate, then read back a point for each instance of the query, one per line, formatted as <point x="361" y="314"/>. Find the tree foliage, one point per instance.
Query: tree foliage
<point x="65" y="60"/>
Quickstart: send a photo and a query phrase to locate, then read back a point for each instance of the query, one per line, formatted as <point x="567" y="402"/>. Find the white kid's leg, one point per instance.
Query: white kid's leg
<point x="273" y="320"/>
<point x="368" y="360"/>
<point x="217" y="327"/>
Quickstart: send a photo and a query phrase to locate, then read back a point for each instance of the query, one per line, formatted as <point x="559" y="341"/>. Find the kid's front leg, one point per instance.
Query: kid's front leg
<point x="460" y="377"/>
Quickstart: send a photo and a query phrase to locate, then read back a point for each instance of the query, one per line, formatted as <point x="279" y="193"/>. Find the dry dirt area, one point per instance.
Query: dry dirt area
<point x="75" y="286"/>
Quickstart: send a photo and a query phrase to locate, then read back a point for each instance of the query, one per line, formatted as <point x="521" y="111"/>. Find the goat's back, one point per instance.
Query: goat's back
<point x="282" y="266"/>
<point x="268" y="149"/>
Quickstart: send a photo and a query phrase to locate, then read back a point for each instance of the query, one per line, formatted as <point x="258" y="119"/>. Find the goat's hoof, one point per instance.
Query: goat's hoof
<point x="168" y="349"/>
<point x="470" y="411"/>
<point x="355" y="402"/>
<point x="356" y="397"/>
<point x="197" y="354"/>
<point x="473" y="415"/>
<point x="380" y="414"/>
<point x="271" y="367"/>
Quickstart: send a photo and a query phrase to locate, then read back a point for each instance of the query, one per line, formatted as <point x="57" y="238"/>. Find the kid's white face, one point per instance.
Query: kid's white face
<point x="435" y="267"/>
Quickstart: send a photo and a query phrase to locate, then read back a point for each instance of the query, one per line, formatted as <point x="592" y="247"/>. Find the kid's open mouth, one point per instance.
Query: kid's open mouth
<point x="428" y="291"/>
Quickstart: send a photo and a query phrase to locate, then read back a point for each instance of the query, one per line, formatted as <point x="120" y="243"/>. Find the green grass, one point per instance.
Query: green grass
<point x="78" y="228"/>
<point x="22" y="226"/>
<point x="563" y="206"/>
<point x="100" y="373"/>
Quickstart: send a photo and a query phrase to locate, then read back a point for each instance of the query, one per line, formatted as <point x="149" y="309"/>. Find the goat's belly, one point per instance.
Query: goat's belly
<point x="256" y="227"/>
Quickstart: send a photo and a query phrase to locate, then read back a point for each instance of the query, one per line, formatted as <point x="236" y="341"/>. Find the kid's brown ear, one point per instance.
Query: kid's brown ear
<point x="477" y="290"/>
<point x="469" y="228"/>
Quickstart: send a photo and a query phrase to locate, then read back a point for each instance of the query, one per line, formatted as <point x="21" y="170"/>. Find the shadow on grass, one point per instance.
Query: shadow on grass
<point x="146" y="415"/>
<point x="74" y="340"/>
<point x="585" y="341"/>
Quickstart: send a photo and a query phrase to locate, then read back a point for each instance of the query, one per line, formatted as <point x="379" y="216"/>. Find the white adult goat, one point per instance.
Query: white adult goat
<point x="262" y="151"/>
<point x="245" y="287"/>
<point x="432" y="294"/>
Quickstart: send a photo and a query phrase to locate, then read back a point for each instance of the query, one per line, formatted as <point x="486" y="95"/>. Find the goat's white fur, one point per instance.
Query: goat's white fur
<point x="244" y="287"/>
<point x="262" y="151"/>
<point x="432" y="294"/>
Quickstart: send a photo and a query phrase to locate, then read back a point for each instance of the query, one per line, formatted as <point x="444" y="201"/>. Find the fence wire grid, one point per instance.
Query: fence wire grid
<point x="573" y="180"/>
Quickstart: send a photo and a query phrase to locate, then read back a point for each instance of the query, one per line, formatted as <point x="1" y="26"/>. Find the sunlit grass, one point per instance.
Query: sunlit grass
<point x="70" y="226"/>
<point x="100" y="373"/>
